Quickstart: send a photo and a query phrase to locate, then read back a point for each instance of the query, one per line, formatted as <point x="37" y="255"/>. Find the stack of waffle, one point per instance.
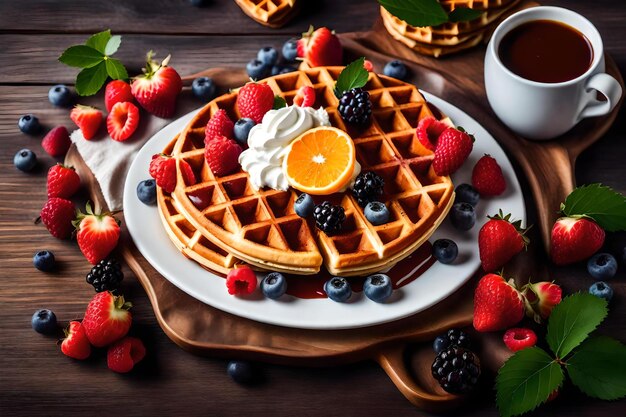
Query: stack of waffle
<point x="272" y="13"/>
<point x="450" y="37"/>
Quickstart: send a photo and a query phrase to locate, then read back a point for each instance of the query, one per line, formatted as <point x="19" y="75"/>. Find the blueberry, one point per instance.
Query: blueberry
<point x="25" y="160"/>
<point x="204" y="88"/>
<point x="29" y="124"/>
<point x="44" y="260"/>
<point x="242" y="372"/>
<point x="304" y="205"/>
<point x="256" y="69"/>
<point x="463" y="216"/>
<point x="290" y="50"/>
<point x="44" y="321"/>
<point x="338" y="289"/>
<point x="275" y="70"/>
<point x="267" y="55"/>
<point x="395" y="69"/>
<point x="242" y="130"/>
<point x="601" y="289"/>
<point x="274" y="285"/>
<point x="146" y="192"/>
<point x="465" y="193"/>
<point x="60" y="96"/>
<point x="445" y="251"/>
<point x="602" y="266"/>
<point x="377" y="213"/>
<point x="378" y="287"/>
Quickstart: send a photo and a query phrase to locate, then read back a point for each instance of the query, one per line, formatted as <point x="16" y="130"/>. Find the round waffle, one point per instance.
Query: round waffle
<point x="261" y="228"/>
<point x="272" y="13"/>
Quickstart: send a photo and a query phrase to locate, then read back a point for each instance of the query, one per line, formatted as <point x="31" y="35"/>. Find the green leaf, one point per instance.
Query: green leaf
<point x="353" y="76"/>
<point x="115" y="69"/>
<point x="81" y="56"/>
<point x="464" y="14"/>
<point x="526" y="380"/>
<point x="90" y="80"/>
<point x="605" y="206"/>
<point x="418" y="13"/>
<point x="572" y="320"/>
<point x="99" y="40"/>
<point x="112" y="45"/>
<point x="279" y="102"/>
<point x="598" y="368"/>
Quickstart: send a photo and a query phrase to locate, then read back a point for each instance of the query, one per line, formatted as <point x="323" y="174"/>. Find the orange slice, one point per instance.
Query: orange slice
<point x="320" y="161"/>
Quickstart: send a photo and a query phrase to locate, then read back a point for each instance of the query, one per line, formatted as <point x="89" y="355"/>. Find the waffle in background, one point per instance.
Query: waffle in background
<point x="272" y="13"/>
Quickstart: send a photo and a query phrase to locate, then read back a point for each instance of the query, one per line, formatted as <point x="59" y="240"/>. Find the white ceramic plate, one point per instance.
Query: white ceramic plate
<point x="438" y="282"/>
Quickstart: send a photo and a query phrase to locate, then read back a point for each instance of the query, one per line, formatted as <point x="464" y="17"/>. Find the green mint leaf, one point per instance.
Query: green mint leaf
<point x="99" y="41"/>
<point x="598" y="368"/>
<point x="115" y="69"/>
<point x="572" y="320"/>
<point x="605" y="206"/>
<point x="353" y="76"/>
<point x="279" y="102"/>
<point x="81" y="56"/>
<point x="464" y="14"/>
<point x="112" y="45"/>
<point x="90" y="80"/>
<point x="526" y="380"/>
<point x="418" y="13"/>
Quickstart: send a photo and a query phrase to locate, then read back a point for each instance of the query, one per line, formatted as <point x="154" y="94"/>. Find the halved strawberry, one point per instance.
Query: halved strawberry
<point x="76" y="345"/>
<point x="122" y="121"/>
<point x="97" y="234"/>
<point x="117" y="91"/>
<point x="320" y="47"/>
<point x="88" y="119"/>
<point x="107" y="319"/>
<point x="157" y="89"/>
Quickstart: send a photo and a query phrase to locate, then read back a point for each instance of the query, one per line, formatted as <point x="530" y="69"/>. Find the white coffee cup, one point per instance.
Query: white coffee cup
<point x="545" y="110"/>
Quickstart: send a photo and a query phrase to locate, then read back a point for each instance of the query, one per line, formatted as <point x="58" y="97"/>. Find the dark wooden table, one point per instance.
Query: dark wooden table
<point x="36" y="379"/>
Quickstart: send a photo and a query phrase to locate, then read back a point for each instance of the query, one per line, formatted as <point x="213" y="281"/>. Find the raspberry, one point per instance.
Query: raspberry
<point x="222" y="156"/>
<point x="453" y="148"/>
<point x="355" y="106"/>
<point x="368" y="187"/>
<point x="328" y="218"/>
<point x="125" y="354"/>
<point x="57" y="142"/>
<point x="487" y="177"/>
<point x="254" y="100"/>
<point x="305" y="97"/>
<point x="367" y="64"/>
<point x="219" y="125"/>
<point x="63" y="181"/>
<point x="241" y="281"/>
<point x="519" y="338"/>
<point x="428" y="131"/>
<point x="163" y="170"/>
<point x="456" y="370"/>
<point x="57" y="215"/>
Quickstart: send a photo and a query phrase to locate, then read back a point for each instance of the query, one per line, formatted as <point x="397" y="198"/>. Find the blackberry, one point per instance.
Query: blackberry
<point x="329" y="218"/>
<point x="453" y="337"/>
<point x="368" y="187"/>
<point x="106" y="275"/>
<point x="355" y="106"/>
<point x="456" y="369"/>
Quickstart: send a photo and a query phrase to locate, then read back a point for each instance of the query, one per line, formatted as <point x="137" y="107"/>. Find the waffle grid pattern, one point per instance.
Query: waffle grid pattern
<point x="273" y="12"/>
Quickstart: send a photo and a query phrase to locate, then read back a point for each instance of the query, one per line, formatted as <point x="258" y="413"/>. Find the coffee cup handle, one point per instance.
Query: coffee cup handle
<point x="609" y="87"/>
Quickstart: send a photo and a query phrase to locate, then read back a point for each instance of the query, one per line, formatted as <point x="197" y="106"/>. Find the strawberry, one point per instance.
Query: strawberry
<point x="453" y="148"/>
<point x="63" y="181"/>
<point x="57" y="142"/>
<point x="163" y="170"/>
<point x="305" y="97"/>
<point x="124" y="354"/>
<point x="57" y="215"/>
<point x="157" y="89"/>
<point x="107" y="319"/>
<point x="97" y="234"/>
<point x="76" y="345"/>
<point x="219" y="125"/>
<point x="575" y="239"/>
<point x="428" y="131"/>
<point x="541" y="298"/>
<point x="499" y="240"/>
<point x="487" y="177"/>
<point x="497" y="304"/>
<point x="122" y="121"/>
<point x="117" y="91"/>
<point x="88" y="120"/>
<point x="320" y="48"/>
<point x="254" y="100"/>
<point x="222" y="156"/>
<point x="367" y="64"/>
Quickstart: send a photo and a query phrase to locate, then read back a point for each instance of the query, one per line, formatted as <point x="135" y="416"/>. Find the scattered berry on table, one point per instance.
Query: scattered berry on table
<point x="368" y="186"/>
<point x="219" y="125"/>
<point x="378" y="287"/>
<point x="60" y="96"/>
<point x="498" y="304"/>
<point x="123" y="355"/>
<point x="428" y="131"/>
<point x="453" y="148"/>
<point x="305" y="97"/>
<point x="241" y="281"/>
<point x="268" y="55"/>
<point x="463" y="216"/>
<point x="304" y="205"/>
<point x="44" y="321"/>
<point x="602" y="266"/>
<point x="29" y="124"/>
<point x="453" y="337"/>
<point x="146" y="192"/>
<point x="204" y="88"/>
<point x="106" y="275"/>
<point x="63" y="181"/>
<point x="290" y="50"/>
<point x="117" y="91"/>
<point x="519" y="338"/>
<point x="76" y="345"/>
<point x="57" y="215"/>
<point x="338" y="289"/>
<point x="122" y="121"/>
<point x="367" y="64"/>
<point x="465" y="193"/>
<point x="88" y="119"/>
<point x="254" y="100"/>
<point x="574" y="239"/>
<point x="541" y="298"/>
<point x="499" y="240"/>
<point x="377" y="213"/>
<point x="329" y="218"/>
<point x="44" y="260"/>
<point x="257" y="70"/>
<point x="355" y="107"/>
<point x="222" y="155"/>
<point x="395" y="69"/>
<point x="242" y="130"/>
<point x="487" y="177"/>
<point x="157" y="89"/>
<point x="445" y="251"/>
<point x="242" y="372"/>
<point x="25" y="160"/>
<point x="56" y="142"/>
<point x="97" y="234"/>
<point x="601" y="289"/>
<point x="456" y="369"/>
<point x="274" y="285"/>
<point x="107" y="319"/>
<point x="163" y="170"/>
<point x="320" y="47"/>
